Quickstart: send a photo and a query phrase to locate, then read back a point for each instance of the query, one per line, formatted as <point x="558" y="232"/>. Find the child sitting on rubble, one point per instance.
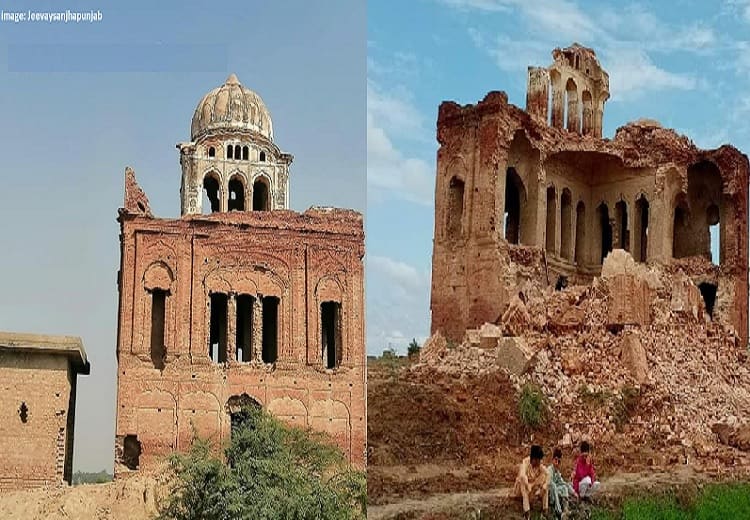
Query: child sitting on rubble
<point x="532" y="480"/>
<point x="559" y="490"/>
<point x="584" y="475"/>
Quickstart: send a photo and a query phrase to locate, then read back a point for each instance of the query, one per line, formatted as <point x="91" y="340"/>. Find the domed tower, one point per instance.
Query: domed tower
<point x="231" y="157"/>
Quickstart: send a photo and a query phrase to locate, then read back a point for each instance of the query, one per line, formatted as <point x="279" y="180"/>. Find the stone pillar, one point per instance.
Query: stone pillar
<point x="256" y="344"/>
<point x="573" y="119"/>
<point x="231" y="327"/>
<point x="537" y="92"/>
<point x="598" y="120"/>
<point x="588" y="118"/>
<point x="558" y="111"/>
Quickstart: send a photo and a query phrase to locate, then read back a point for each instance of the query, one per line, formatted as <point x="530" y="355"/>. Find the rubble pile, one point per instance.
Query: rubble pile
<point x="632" y="358"/>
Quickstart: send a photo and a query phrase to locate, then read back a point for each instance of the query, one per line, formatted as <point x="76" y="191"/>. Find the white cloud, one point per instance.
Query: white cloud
<point x="624" y="35"/>
<point x="632" y="73"/>
<point x="389" y="172"/>
<point x="402" y="293"/>
<point x="480" y="5"/>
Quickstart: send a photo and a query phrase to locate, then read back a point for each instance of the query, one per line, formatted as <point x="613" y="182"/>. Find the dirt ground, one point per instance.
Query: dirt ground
<point x="129" y="499"/>
<point x="448" y="445"/>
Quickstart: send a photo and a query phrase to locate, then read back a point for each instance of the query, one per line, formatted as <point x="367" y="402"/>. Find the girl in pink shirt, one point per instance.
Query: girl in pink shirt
<point x="584" y="474"/>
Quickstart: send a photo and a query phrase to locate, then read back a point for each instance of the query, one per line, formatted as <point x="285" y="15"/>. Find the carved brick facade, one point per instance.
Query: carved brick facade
<point x="38" y="377"/>
<point x="261" y="306"/>
<point x="518" y="198"/>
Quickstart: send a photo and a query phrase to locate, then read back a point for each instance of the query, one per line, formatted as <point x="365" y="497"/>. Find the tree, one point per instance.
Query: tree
<point x="414" y="348"/>
<point x="270" y="471"/>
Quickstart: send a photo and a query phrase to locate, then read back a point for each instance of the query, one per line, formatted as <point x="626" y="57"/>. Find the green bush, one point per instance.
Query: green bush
<point x="626" y="406"/>
<point x="533" y="406"/>
<point x="271" y="471"/>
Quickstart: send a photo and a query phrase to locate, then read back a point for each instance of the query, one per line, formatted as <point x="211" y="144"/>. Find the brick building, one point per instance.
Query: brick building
<point x="538" y="195"/>
<point x="240" y="300"/>
<point x="38" y="377"/>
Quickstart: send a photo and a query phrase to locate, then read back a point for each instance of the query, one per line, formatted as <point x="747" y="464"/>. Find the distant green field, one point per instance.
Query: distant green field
<point x="82" y="477"/>
<point x="715" y="502"/>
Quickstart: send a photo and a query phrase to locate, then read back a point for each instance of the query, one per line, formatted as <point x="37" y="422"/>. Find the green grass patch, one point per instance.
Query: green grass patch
<point x="533" y="406"/>
<point x="715" y="502"/>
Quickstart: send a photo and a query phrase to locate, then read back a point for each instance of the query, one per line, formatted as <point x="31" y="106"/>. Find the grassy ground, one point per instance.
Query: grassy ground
<point x="714" y="502"/>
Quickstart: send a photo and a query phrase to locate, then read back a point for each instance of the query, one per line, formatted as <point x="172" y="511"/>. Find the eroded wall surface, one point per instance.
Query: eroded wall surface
<point x="36" y="433"/>
<point x="303" y="260"/>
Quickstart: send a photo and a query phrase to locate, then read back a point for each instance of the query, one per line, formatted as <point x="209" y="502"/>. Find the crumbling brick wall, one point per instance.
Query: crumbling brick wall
<point x="36" y="433"/>
<point x="303" y="260"/>
<point x="517" y="195"/>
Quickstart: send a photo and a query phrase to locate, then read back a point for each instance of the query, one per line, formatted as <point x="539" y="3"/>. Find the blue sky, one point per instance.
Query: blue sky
<point x="683" y="63"/>
<point x="80" y="102"/>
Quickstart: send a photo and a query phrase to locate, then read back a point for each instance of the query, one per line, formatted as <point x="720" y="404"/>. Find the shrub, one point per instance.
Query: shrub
<point x="414" y="348"/>
<point x="271" y="471"/>
<point x="533" y="406"/>
<point x="624" y="408"/>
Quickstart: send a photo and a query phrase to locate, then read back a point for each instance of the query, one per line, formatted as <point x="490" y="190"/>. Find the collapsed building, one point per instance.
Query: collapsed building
<point x="541" y="189"/>
<point x="241" y="301"/>
<point x="597" y="269"/>
<point x="38" y="379"/>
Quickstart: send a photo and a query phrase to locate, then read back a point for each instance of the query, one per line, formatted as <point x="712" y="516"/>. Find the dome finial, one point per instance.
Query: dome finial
<point x="232" y="80"/>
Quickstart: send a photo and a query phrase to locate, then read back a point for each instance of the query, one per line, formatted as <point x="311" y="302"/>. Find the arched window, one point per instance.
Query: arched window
<point x="513" y="188"/>
<point x="230" y="151"/>
<point x="237" y="152"/>
<point x="455" y="207"/>
<point x="566" y="224"/>
<point x="211" y="151"/>
<point x="605" y="230"/>
<point x="236" y="194"/>
<point x="262" y="156"/>
<point x="680" y="230"/>
<point x="571" y="93"/>
<point x="270" y="333"/>
<point x="580" y="233"/>
<point x="261" y="199"/>
<point x="330" y="330"/>
<point x="245" y="153"/>
<point x="556" y="117"/>
<point x="217" y="337"/>
<point x="211" y="194"/>
<point x="621" y="220"/>
<point x="701" y="233"/>
<point x="640" y="235"/>
<point x="158" y="315"/>
<point x="551" y="219"/>
<point x="244" y="328"/>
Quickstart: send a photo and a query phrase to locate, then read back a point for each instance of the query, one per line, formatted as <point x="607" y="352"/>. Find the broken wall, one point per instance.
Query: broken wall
<point x="630" y="190"/>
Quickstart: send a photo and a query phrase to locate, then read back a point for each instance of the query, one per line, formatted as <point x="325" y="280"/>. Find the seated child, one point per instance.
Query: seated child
<point x="559" y="490"/>
<point x="532" y="480"/>
<point x="584" y="475"/>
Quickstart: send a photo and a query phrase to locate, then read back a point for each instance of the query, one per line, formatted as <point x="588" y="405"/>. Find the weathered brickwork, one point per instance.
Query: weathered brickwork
<point x="38" y="382"/>
<point x="258" y="304"/>
<point x="525" y="196"/>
